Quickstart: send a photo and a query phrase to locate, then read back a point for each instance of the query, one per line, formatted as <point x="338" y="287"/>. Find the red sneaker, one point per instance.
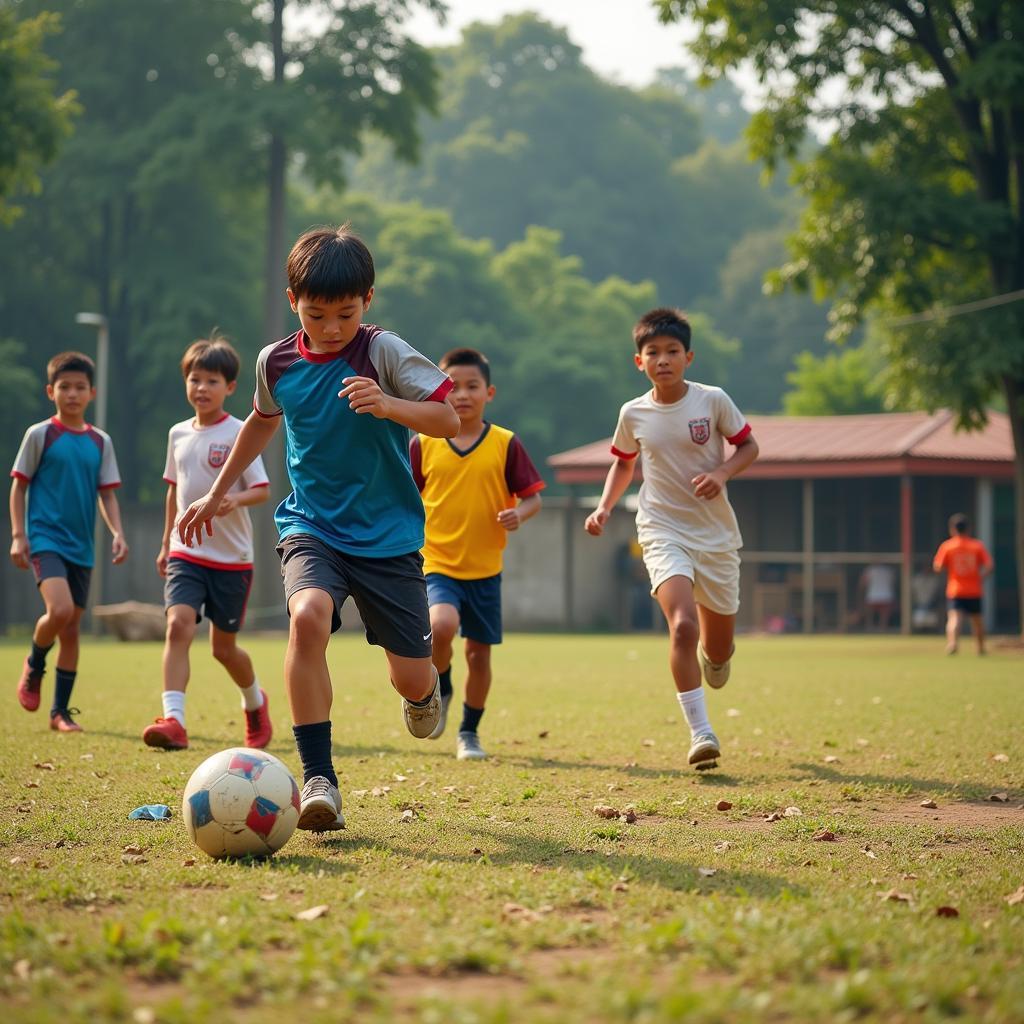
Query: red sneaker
<point x="258" y="729"/>
<point x="165" y="733"/>
<point x="63" y="722"/>
<point x="28" y="687"/>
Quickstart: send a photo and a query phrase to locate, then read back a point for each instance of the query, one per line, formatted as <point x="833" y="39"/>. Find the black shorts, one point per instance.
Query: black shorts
<point x="970" y="605"/>
<point x="390" y="593"/>
<point x="221" y="594"/>
<point x="48" y="564"/>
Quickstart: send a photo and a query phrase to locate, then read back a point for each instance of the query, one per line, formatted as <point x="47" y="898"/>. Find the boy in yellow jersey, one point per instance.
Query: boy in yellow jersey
<point x="476" y="488"/>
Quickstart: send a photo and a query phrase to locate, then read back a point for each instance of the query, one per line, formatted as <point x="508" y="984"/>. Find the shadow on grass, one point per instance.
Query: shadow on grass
<point x="712" y="776"/>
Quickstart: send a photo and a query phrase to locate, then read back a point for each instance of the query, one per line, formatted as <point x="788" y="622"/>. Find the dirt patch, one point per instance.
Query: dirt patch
<point x="967" y="814"/>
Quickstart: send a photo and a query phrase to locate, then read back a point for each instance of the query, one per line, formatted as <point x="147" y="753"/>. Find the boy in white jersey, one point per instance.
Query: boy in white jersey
<point x="218" y="580"/>
<point x="685" y="524"/>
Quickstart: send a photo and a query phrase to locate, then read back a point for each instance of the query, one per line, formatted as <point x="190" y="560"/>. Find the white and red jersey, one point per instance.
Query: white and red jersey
<point x="678" y="442"/>
<point x="195" y="455"/>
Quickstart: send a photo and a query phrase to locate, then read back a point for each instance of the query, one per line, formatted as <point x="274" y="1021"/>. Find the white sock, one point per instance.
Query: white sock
<point x="252" y="696"/>
<point x="174" y="705"/>
<point x="695" y="711"/>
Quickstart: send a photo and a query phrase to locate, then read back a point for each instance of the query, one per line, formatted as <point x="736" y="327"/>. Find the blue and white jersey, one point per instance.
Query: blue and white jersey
<point x="353" y="486"/>
<point x="64" y="469"/>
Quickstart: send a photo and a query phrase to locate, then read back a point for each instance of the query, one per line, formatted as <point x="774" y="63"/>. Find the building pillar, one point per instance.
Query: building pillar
<point x="568" y="559"/>
<point x="808" y="556"/>
<point x="985" y="515"/>
<point x="906" y="552"/>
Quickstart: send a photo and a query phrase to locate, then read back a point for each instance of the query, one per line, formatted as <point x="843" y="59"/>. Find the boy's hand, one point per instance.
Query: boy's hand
<point x="19" y="551"/>
<point x="709" y="485"/>
<point x="509" y="518"/>
<point x="595" y="521"/>
<point x="365" y="396"/>
<point x="228" y="504"/>
<point x="119" y="549"/>
<point x="197" y="516"/>
<point x="161" y="560"/>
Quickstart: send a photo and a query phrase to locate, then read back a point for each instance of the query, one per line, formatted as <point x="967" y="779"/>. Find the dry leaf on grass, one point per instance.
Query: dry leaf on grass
<point x="268" y="897"/>
<point x="398" y="777"/>
<point x="132" y="858"/>
<point x="604" y="811"/>
<point x="723" y="846"/>
<point x="380" y="790"/>
<point x="358" y="793"/>
<point x="312" y="913"/>
<point x="831" y="759"/>
<point x="1016" y="897"/>
<point x="408" y="815"/>
<point x="31" y="784"/>
<point x="648" y="743"/>
<point x="477" y="852"/>
<point x="22" y="969"/>
<point x="188" y="862"/>
<point x="792" y="812"/>
<point x="46" y="766"/>
<point x="132" y="849"/>
<point x="629" y="816"/>
<point x="620" y="887"/>
<point x="774" y="816"/>
<point x="896" y="896"/>
<point x="1000" y="757"/>
<point x="723" y="805"/>
<point x="543" y="734"/>
<point x="868" y="852"/>
<point x="999" y="798"/>
<point x="517" y="912"/>
<point x="947" y="912"/>
<point x="930" y="804"/>
<point x="707" y="872"/>
<point x="630" y="764"/>
<point x="732" y="713"/>
<point x="824" y="836"/>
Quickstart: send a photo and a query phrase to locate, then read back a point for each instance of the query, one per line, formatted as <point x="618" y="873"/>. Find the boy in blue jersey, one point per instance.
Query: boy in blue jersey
<point x="348" y="394"/>
<point x="61" y="466"/>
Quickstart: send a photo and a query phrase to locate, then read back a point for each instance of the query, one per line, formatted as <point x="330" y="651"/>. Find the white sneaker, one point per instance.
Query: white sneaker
<point x="443" y="720"/>
<point x="468" y="748"/>
<point x="320" y="810"/>
<point x="704" y="748"/>
<point x="716" y="676"/>
<point x="422" y="721"/>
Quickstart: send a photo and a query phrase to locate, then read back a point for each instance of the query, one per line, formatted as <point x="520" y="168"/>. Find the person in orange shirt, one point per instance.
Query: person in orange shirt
<point x="966" y="563"/>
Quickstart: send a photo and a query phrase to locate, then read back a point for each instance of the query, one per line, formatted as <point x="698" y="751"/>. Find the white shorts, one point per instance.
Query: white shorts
<point x="715" y="574"/>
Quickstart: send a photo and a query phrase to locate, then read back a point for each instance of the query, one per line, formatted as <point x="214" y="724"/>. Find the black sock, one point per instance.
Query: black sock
<point x="314" y="743"/>
<point x="62" y="691"/>
<point x="470" y="718"/>
<point x="37" y="659"/>
<point x="446" y="681"/>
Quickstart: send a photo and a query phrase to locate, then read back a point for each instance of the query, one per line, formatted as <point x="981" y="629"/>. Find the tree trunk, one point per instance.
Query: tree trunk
<point x="1014" y="390"/>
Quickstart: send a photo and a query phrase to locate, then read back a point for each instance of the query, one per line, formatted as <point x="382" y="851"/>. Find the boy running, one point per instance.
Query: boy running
<point x="966" y="562"/>
<point x="477" y="487"/>
<point x="217" y="582"/>
<point x="348" y="393"/>
<point x="61" y="465"/>
<point x="685" y="524"/>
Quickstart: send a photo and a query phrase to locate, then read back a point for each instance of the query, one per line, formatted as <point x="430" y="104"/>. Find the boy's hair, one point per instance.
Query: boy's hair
<point x="959" y="523"/>
<point x="467" y="357"/>
<point x="663" y="321"/>
<point x="70" y="362"/>
<point x="330" y="264"/>
<point x="213" y="354"/>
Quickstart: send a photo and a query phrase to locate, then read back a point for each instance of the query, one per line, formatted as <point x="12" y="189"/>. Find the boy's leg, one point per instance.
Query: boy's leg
<point x="60" y="608"/>
<point x="481" y="625"/>
<point x="952" y="630"/>
<point x="67" y="669"/>
<point x="256" y="707"/>
<point x="716" y="589"/>
<point x="168" y="731"/>
<point x="978" y="625"/>
<point x="417" y="681"/>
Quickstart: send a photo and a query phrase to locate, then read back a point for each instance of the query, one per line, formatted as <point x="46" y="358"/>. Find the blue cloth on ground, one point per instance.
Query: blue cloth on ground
<point x="151" y="812"/>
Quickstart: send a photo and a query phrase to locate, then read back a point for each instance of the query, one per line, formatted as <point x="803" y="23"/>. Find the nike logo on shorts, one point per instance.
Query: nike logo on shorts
<point x="429" y="635"/>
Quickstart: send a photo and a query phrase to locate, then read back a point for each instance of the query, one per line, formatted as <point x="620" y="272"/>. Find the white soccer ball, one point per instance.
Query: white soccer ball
<point x="241" y="801"/>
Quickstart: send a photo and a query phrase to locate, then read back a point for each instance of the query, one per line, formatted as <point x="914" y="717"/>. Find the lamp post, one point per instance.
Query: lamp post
<point x="102" y="325"/>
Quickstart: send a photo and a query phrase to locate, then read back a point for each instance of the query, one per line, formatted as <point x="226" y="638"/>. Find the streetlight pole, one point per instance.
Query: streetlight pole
<point x="102" y="325"/>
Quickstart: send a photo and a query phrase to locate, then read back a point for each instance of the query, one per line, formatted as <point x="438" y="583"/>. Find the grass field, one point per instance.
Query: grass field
<point x="506" y="897"/>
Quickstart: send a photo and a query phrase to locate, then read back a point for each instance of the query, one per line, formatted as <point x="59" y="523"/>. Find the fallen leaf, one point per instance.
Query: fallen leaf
<point x="723" y="805"/>
<point x="947" y="912"/>
<point x="648" y="743"/>
<point x="862" y="742"/>
<point x="707" y="872"/>
<point x="188" y="862"/>
<point x="143" y="1015"/>
<point x="604" y="811"/>
<point x="723" y="846"/>
<point x="1016" y="897"/>
<point x="999" y="798"/>
<point x="831" y="759"/>
<point x="359" y="793"/>
<point x="909" y="877"/>
<point x="132" y="849"/>
<point x="400" y="778"/>
<point x="774" y="816"/>
<point x="620" y="887"/>
<point x="380" y="790"/>
<point x="896" y="897"/>
<point x="630" y="764"/>
<point x="408" y="815"/>
<point x="46" y="766"/>
<point x="14" y="860"/>
<point x="31" y="785"/>
<point x="516" y="912"/>
<point x="25" y="808"/>
<point x="312" y="913"/>
<point x="132" y="858"/>
<point x="85" y="757"/>
<point x="542" y="735"/>
<point x="930" y="804"/>
<point x="477" y="852"/>
<point x="868" y="852"/>
<point x="792" y="812"/>
<point x="732" y="713"/>
<point x="1000" y="757"/>
<point x="629" y="816"/>
<point x="268" y="897"/>
<point x="22" y="969"/>
<point x="824" y="836"/>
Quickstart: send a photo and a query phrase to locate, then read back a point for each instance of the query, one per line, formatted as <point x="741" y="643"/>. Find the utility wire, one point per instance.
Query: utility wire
<point x="950" y="311"/>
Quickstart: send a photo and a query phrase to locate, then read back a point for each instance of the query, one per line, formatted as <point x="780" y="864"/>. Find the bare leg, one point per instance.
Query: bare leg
<point x="716" y="634"/>
<point x="478" y="682"/>
<point x="675" y="596"/>
<point x="952" y="631"/>
<point x="60" y="610"/>
<point x="413" y="678"/>
<point x="444" y="624"/>
<point x="181" y="628"/>
<point x="67" y="656"/>
<point x="306" y="678"/>
<point x="232" y="657"/>
<point x="979" y="632"/>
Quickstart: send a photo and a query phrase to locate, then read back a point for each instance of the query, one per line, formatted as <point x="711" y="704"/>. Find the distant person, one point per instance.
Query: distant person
<point x="684" y="521"/>
<point x="349" y="393"/>
<point x="878" y="590"/>
<point x="477" y="487"/>
<point x="62" y="464"/>
<point x="966" y="563"/>
<point x="217" y="583"/>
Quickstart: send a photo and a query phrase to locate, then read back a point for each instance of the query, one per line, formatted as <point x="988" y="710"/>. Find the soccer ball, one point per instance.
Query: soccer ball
<point x="240" y="801"/>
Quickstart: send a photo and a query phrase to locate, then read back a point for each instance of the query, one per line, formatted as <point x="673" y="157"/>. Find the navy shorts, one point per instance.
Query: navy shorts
<point x="220" y="594"/>
<point x="389" y="592"/>
<point x="48" y="564"/>
<point x="970" y="605"/>
<point x="478" y="602"/>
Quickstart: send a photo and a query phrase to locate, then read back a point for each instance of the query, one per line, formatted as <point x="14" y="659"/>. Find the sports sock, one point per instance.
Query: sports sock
<point x="252" y="696"/>
<point x="174" y="705"/>
<point x="470" y="718"/>
<point x="65" y="683"/>
<point x="314" y="745"/>
<point x="695" y="710"/>
<point x="37" y="659"/>
<point x="446" y="681"/>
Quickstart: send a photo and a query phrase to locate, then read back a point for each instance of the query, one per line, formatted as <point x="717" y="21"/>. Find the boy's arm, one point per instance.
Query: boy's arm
<point x="620" y="476"/>
<point x="19" y="540"/>
<point x="254" y="436"/>
<point x="170" y="509"/>
<point x="939" y="561"/>
<point x="111" y="512"/>
<point x="709" y="485"/>
<point x="243" y="499"/>
<point x="527" y="508"/>
<point x="435" y="419"/>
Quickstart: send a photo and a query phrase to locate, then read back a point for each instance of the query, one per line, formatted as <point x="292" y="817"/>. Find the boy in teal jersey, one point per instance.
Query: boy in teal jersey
<point x="348" y="394"/>
<point x="62" y="464"/>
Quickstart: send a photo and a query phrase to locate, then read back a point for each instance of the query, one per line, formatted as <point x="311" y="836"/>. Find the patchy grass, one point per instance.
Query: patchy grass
<point x="507" y="898"/>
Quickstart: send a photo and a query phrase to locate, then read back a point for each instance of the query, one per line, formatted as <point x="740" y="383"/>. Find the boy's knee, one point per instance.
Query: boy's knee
<point x="310" y="619"/>
<point x="478" y="655"/>
<point x="444" y="623"/>
<point x="685" y="631"/>
<point x="223" y="648"/>
<point x="61" y="613"/>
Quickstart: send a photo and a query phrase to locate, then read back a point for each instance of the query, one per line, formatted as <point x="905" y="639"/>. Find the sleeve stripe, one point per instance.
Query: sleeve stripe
<point x="21" y="476"/>
<point x="265" y="415"/>
<point x="741" y="436"/>
<point x="168" y="480"/>
<point x="262" y="483"/>
<point x="110" y="487"/>
<point x="534" y="488"/>
<point x="626" y="456"/>
<point x="442" y="392"/>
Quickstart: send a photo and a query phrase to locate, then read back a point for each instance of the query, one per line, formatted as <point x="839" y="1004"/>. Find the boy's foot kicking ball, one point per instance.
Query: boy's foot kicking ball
<point x="421" y="717"/>
<point x="62" y="721"/>
<point x="468" y="747"/>
<point x="29" y="685"/>
<point x="704" y="751"/>
<point x="320" y="810"/>
<point x="258" y="729"/>
<point x="716" y="676"/>
<point x="166" y="734"/>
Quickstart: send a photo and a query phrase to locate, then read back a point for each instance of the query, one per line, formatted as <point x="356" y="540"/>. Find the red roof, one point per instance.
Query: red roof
<point x="881" y="444"/>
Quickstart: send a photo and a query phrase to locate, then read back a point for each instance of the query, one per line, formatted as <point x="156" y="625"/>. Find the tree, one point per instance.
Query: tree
<point x="917" y="200"/>
<point x="837" y="384"/>
<point x="33" y="120"/>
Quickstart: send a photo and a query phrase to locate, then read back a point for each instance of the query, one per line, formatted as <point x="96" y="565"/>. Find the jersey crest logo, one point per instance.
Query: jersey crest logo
<point x="700" y="430"/>
<point x="218" y="454"/>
